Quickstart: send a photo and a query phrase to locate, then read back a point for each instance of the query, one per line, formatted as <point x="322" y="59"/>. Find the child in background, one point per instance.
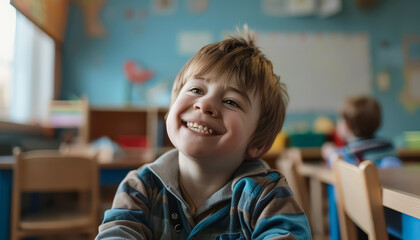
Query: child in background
<point x="360" y="117"/>
<point x="227" y="107"/>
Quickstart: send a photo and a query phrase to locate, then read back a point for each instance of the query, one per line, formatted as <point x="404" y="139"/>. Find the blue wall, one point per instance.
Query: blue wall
<point x="94" y="66"/>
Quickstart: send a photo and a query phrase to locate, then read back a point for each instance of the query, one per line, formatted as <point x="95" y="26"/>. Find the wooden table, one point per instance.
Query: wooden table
<point x="313" y="154"/>
<point x="7" y="162"/>
<point x="400" y="190"/>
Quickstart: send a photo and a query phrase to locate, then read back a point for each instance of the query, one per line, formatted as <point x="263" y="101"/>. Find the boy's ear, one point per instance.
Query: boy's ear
<point x="255" y="152"/>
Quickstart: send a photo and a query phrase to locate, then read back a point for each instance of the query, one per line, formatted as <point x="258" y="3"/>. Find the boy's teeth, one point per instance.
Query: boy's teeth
<point x="199" y="128"/>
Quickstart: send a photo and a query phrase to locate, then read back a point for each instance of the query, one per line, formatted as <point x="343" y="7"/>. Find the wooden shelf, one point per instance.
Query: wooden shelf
<point x="115" y="122"/>
<point x="70" y="114"/>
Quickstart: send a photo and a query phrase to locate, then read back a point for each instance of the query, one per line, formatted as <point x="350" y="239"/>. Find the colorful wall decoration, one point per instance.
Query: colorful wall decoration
<point x="162" y="35"/>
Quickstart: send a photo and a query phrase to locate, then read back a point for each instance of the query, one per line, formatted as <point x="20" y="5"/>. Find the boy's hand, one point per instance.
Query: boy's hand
<point x="327" y="149"/>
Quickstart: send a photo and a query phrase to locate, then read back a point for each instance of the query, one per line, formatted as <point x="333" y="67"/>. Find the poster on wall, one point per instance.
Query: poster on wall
<point x="288" y="7"/>
<point x="189" y="42"/>
<point x="198" y="6"/>
<point x="328" y="8"/>
<point x="94" y="27"/>
<point x="410" y="95"/>
<point x="320" y="70"/>
<point x="293" y="8"/>
<point x="164" y="7"/>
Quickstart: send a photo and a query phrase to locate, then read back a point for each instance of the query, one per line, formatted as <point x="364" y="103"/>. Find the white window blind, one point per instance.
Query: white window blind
<point x="33" y="73"/>
<point x="7" y="30"/>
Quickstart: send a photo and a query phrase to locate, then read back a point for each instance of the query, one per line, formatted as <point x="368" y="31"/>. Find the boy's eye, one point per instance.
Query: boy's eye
<point x="196" y="90"/>
<point x="232" y="103"/>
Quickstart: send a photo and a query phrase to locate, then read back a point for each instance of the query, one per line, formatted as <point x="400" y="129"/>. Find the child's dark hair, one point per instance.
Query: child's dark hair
<point x="244" y="63"/>
<point x="362" y="115"/>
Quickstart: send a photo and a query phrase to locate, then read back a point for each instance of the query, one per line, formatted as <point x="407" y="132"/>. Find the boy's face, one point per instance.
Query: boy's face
<point x="211" y="121"/>
<point x="343" y="130"/>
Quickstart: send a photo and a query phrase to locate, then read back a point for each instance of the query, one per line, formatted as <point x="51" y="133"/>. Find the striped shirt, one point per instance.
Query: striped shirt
<point x="377" y="150"/>
<point x="256" y="204"/>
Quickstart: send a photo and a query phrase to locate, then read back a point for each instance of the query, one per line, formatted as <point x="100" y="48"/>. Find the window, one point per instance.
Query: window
<point x="7" y="28"/>
<point x="27" y="86"/>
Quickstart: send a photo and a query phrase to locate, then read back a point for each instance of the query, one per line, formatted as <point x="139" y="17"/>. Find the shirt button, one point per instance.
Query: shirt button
<point x="177" y="228"/>
<point x="174" y="216"/>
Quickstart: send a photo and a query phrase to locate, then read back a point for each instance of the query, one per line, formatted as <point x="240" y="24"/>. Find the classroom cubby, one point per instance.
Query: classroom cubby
<point x="135" y="126"/>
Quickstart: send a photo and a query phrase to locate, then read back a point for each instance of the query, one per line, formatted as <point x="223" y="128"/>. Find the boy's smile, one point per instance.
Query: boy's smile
<point x="198" y="128"/>
<point x="211" y="120"/>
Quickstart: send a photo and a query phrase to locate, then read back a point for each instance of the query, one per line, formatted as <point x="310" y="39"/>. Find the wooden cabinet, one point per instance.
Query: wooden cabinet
<point x="133" y="123"/>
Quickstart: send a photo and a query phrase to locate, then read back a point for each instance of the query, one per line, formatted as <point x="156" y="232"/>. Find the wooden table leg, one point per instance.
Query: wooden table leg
<point x="318" y="211"/>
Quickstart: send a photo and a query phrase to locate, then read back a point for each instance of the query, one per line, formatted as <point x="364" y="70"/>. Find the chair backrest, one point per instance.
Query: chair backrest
<point x="48" y="171"/>
<point x="288" y="163"/>
<point x="359" y="199"/>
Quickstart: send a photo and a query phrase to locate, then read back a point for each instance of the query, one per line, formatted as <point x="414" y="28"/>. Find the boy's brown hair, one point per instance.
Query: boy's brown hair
<point x="362" y="115"/>
<point x="243" y="62"/>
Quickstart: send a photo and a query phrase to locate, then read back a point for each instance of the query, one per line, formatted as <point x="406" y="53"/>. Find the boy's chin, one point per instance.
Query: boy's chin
<point x="210" y="157"/>
<point x="205" y="156"/>
<point x="196" y="154"/>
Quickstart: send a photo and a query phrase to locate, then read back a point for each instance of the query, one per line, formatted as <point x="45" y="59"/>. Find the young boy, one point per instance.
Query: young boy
<point x="360" y="117"/>
<point x="227" y="107"/>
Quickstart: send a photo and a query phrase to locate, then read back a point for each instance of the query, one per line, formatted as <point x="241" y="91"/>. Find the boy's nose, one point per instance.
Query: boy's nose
<point x="206" y="107"/>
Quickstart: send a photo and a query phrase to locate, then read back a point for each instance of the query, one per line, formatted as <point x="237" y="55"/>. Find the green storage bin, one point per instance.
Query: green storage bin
<point x="306" y="139"/>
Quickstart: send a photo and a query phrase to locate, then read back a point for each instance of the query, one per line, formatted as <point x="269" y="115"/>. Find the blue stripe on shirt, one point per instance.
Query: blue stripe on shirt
<point x="116" y="214"/>
<point x="279" y="192"/>
<point x="282" y="224"/>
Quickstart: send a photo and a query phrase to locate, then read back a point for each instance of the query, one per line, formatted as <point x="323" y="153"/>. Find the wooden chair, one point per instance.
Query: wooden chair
<point x="288" y="163"/>
<point x="359" y="200"/>
<point x="51" y="172"/>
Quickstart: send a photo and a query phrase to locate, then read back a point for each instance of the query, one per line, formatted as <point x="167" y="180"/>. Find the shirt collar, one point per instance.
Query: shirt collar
<point x="166" y="168"/>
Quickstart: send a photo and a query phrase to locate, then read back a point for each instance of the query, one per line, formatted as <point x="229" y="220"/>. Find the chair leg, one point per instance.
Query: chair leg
<point x="13" y="235"/>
